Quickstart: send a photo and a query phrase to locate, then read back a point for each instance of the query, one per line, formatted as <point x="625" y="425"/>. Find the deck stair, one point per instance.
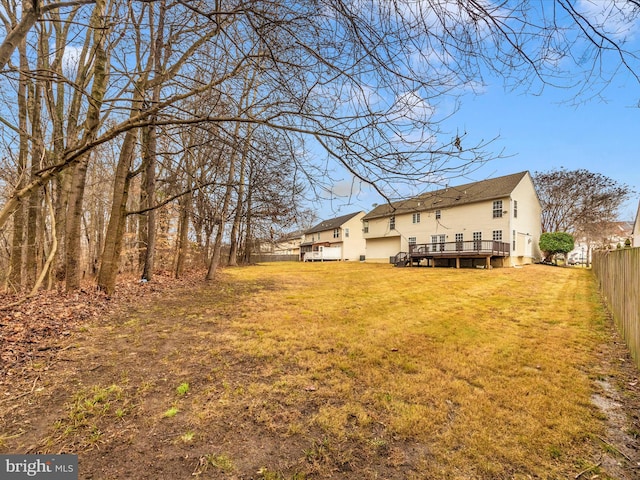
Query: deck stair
<point x="400" y="259"/>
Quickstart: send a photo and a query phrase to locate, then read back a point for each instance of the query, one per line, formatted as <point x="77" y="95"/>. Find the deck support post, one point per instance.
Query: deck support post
<point x="488" y="262"/>
<point x="457" y="262"/>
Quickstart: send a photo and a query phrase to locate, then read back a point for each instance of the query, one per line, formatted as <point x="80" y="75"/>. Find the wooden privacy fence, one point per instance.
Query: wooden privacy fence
<point x="618" y="274"/>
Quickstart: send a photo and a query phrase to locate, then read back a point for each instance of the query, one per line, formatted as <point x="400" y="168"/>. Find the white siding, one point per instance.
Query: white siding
<point x="378" y="249"/>
<point x="464" y="219"/>
<point x="528" y="225"/>
<point x="353" y="246"/>
<point x="382" y="242"/>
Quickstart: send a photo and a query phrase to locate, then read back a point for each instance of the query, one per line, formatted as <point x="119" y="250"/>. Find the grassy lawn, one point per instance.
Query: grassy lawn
<point x="340" y="370"/>
<point x="485" y="372"/>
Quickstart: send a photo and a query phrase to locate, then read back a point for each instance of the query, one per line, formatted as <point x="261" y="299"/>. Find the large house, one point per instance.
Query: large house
<point x="338" y="238"/>
<point x="495" y="222"/>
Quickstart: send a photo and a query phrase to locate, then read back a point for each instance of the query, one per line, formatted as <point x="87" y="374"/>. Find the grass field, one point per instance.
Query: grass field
<point x="339" y="370"/>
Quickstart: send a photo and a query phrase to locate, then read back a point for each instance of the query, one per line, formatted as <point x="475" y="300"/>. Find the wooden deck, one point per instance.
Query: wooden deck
<point x="469" y="249"/>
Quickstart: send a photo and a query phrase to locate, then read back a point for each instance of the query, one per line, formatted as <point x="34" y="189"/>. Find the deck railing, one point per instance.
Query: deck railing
<point x="461" y="248"/>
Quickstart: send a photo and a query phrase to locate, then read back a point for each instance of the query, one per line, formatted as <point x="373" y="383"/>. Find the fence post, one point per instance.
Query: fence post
<point x="618" y="275"/>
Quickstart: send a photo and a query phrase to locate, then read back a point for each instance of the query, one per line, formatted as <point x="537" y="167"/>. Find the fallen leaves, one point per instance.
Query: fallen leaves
<point x="36" y="327"/>
<point x="40" y="323"/>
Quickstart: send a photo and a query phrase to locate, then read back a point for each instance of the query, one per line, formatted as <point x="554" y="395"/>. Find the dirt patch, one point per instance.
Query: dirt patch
<point x="617" y="396"/>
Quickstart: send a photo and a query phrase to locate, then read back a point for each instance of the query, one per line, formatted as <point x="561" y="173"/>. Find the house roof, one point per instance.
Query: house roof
<point x="331" y="223"/>
<point x="287" y="237"/>
<point x="492" y="188"/>
<point x="620" y="229"/>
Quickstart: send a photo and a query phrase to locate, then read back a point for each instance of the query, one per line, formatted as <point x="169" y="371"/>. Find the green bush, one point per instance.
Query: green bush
<point x="552" y="243"/>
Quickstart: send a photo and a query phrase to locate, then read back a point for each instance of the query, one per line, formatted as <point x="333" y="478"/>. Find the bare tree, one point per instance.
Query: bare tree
<point x="574" y="200"/>
<point x="361" y="81"/>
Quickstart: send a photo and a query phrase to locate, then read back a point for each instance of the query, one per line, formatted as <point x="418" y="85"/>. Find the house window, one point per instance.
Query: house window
<point x="497" y="235"/>
<point x="477" y="240"/>
<point x="515" y="209"/>
<point x="412" y="241"/>
<point x="336" y="233"/>
<point x="366" y="227"/>
<point x="346" y="233"/>
<point x="392" y="222"/>
<point x="416" y="218"/>
<point x="318" y="236"/>
<point x="497" y="209"/>
<point x="459" y="242"/>
<point x="514" y="240"/>
<point x="438" y="214"/>
<point x="437" y="243"/>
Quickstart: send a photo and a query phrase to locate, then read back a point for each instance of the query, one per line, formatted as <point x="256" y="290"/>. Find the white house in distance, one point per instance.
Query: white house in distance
<point x="495" y="222"/>
<point x="286" y="245"/>
<point x="338" y="238"/>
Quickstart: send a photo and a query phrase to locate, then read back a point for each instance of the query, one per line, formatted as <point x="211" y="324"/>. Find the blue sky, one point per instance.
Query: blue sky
<point x="540" y="132"/>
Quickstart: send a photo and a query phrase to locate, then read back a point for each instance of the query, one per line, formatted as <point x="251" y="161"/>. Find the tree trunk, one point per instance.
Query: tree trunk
<point x="17" y="241"/>
<point x="235" y="229"/>
<point x="183" y="233"/>
<point x="150" y="150"/>
<point x="56" y="106"/>
<point x="117" y="219"/>
<point x="73" y="225"/>
<point x="217" y="246"/>
<point x="34" y="209"/>
<point x="91" y="125"/>
<point x="247" y="231"/>
<point x="147" y="231"/>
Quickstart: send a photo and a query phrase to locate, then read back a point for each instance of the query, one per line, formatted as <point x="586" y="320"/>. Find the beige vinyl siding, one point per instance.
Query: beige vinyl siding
<point x="378" y="249"/>
<point x="379" y="227"/>
<point x="355" y="245"/>
<point x="352" y="246"/>
<point x="463" y="211"/>
<point x="465" y="219"/>
<point x="527" y="225"/>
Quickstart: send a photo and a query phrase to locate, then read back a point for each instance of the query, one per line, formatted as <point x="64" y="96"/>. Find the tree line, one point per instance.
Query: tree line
<point x="145" y="134"/>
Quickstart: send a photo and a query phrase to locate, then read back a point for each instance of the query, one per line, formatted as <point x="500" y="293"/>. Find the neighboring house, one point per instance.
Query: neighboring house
<point x="288" y="244"/>
<point x="284" y="248"/>
<point x="493" y="222"/>
<point x="607" y="236"/>
<point x="335" y="239"/>
<point x="635" y="233"/>
<point x="615" y="234"/>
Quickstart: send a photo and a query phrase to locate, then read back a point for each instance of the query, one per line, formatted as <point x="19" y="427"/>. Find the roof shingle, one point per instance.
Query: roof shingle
<point x="451" y="196"/>
<point x="331" y="223"/>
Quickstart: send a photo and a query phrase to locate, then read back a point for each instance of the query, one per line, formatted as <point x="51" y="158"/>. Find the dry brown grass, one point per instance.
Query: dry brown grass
<point x="345" y="370"/>
<point x="485" y="372"/>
